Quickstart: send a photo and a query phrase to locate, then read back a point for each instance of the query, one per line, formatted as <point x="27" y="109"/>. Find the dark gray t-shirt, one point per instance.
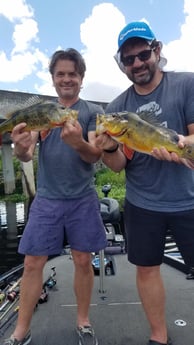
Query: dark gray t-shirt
<point x="151" y="183"/>
<point x="62" y="174"/>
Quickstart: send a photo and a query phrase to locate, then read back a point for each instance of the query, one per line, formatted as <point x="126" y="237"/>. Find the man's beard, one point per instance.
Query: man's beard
<point x="146" y="78"/>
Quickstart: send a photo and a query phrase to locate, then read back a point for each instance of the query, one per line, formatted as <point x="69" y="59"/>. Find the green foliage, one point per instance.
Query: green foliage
<point x="17" y="168"/>
<point x="14" y="198"/>
<point x="117" y="182"/>
<point x="103" y="176"/>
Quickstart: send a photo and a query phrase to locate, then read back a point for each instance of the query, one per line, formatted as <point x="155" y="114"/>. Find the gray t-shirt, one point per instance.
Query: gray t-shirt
<point x="151" y="183"/>
<point x="62" y="174"/>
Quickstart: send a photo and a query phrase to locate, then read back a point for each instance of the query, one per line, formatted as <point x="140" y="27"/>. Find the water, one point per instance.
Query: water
<point x="12" y="222"/>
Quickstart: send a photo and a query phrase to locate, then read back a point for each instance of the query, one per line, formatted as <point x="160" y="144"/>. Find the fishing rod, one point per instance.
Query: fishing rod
<point x="8" y="291"/>
<point x="8" y="321"/>
<point x="11" y="298"/>
<point x="7" y="277"/>
<point x="50" y="282"/>
<point x="10" y="295"/>
<point x="7" y="310"/>
<point x="13" y="291"/>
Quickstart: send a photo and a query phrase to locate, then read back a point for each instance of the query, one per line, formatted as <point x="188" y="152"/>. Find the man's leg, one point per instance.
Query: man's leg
<point x="83" y="285"/>
<point x="152" y="294"/>
<point x="30" y="290"/>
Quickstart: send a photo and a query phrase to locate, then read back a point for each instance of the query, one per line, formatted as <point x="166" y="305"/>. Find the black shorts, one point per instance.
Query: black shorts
<point x="146" y="234"/>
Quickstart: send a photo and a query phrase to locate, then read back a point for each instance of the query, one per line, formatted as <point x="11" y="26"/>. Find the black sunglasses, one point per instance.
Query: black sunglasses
<point x="142" y="56"/>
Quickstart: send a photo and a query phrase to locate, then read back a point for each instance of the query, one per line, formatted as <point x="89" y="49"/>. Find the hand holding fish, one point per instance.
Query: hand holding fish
<point x="163" y="154"/>
<point x="71" y="134"/>
<point x="113" y="155"/>
<point x="141" y="133"/>
<point x="105" y="142"/>
<point x="38" y="115"/>
<point x="23" y="141"/>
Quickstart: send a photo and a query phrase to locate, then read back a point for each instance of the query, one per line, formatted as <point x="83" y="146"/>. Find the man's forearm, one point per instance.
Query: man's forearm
<point x="114" y="160"/>
<point x="88" y="152"/>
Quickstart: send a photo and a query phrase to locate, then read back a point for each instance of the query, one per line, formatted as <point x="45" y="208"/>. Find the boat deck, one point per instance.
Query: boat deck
<point x="116" y="311"/>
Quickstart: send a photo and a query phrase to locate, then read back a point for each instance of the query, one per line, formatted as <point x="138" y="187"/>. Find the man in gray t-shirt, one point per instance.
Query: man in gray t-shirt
<point x="159" y="192"/>
<point x="66" y="200"/>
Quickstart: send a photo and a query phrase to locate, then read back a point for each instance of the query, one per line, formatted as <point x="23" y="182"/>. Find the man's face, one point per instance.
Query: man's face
<point x="141" y="62"/>
<point x="66" y="80"/>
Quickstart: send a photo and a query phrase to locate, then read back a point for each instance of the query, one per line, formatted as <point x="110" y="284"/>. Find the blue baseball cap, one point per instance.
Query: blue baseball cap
<point x="135" y="29"/>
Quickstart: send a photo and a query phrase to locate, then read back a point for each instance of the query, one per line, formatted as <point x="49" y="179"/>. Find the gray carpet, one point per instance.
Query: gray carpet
<point x="116" y="312"/>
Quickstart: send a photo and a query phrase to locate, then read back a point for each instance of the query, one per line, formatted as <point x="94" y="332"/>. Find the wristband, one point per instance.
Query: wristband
<point x="112" y="150"/>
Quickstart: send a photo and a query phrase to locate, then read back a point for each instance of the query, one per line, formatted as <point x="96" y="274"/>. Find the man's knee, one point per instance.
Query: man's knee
<point x="81" y="259"/>
<point x="148" y="271"/>
<point x="32" y="263"/>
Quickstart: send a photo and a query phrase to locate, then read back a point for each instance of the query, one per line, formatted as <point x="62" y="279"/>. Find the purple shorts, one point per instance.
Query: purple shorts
<point x="50" y="220"/>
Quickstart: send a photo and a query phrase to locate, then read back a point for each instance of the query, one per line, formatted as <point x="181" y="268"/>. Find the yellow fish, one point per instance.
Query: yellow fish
<point x="141" y="133"/>
<point x="38" y="114"/>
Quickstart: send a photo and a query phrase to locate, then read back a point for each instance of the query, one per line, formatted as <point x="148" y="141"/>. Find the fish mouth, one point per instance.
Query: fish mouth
<point x="118" y="134"/>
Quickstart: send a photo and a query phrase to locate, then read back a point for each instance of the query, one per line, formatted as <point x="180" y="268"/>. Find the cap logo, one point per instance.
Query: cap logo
<point x="122" y="36"/>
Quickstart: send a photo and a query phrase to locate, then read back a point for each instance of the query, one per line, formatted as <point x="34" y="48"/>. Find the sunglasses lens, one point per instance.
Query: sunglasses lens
<point x="145" y="55"/>
<point x="128" y="60"/>
<point x="142" y="56"/>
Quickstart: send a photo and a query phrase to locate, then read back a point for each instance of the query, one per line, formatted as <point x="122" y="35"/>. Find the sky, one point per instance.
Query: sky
<point x="32" y="30"/>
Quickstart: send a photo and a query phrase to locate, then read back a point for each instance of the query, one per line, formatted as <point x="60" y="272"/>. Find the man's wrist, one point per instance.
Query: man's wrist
<point x="114" y="149"/>
<point x="22" y="155"/>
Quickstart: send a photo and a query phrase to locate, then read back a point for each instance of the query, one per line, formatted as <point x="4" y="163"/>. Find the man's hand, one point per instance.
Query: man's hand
<point x="105" y="142"/>
<point x="163" y="154"/>
<point x="23" y="142"/>
<point x="71" y="134"/>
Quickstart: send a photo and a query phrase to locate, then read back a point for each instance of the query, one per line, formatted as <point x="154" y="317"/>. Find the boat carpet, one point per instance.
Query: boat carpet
<point x="116" y="311"/>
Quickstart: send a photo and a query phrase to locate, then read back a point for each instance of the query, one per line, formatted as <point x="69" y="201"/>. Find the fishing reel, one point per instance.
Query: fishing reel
<point x="51" y="281"/>
<point x="43" y="297"/>
<point x="2" y="296"/>
<point x="12" y="294"/>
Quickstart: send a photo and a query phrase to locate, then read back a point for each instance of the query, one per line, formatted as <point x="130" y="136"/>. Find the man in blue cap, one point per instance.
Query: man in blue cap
<point x="138" y="31"/>
<point x="159" y="192"/>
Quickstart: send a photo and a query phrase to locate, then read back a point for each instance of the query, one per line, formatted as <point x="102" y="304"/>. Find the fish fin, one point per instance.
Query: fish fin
<point x="44" y="134"/>
<point x="128" y="152"/>
<point x="9" y="105"/>
<point x="149" y="116"/>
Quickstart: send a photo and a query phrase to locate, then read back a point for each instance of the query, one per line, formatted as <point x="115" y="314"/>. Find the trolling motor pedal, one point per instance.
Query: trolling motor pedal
<point x="109" y="209"/>
<point x="111" y="216"/>
<point x="106" y="189"/>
